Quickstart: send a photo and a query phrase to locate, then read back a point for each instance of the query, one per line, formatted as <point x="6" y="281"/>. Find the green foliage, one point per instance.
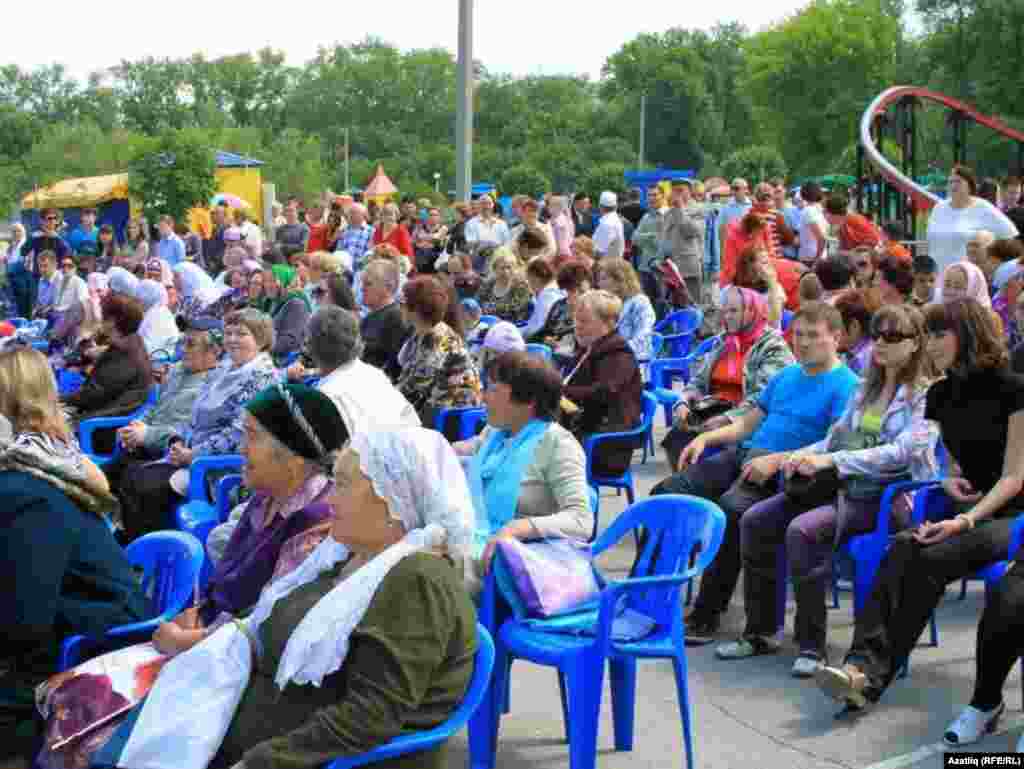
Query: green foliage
<point x="172" y="173"/>
<point x="524" y="179"/>
<point x="755" y="164"/>
<point x="605" y="176"/>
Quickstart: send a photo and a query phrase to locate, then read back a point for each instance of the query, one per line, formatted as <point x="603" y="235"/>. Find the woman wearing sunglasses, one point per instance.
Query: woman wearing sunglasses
<point x="881" y="438"/>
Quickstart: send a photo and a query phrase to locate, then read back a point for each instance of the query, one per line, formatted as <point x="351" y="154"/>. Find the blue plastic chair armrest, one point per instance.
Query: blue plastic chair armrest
<point x="882" y="529"/>
<point x="77" y="648"/>
<point x="89" y="426"/>
<point x="1016" y="539"/>
<point x="133" y="630"/>
<point x="592" y="440"/>
<point x="206" y="464"/>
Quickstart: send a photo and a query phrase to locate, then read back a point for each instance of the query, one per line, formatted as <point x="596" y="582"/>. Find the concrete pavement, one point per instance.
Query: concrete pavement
<point x="751" y="713"/>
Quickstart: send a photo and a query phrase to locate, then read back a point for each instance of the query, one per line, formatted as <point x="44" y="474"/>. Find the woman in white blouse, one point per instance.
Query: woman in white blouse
<point x="954" y="221"/>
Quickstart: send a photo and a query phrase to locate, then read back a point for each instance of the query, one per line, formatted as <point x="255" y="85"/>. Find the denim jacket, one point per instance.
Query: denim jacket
<point x="766" y="358"/>
<point x="907" y="441"/>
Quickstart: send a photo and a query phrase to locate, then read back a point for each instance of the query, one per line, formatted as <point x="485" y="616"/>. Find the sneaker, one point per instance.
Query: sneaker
<point x="701" y="630"/>
<point x="806" y="665"/>
<point x="752" y="646"/>
<point x="972" y="724"/>
<point x="845" y="684"/>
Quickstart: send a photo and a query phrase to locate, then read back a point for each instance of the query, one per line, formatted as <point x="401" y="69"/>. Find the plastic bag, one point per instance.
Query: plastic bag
<point x="550" y="576"/>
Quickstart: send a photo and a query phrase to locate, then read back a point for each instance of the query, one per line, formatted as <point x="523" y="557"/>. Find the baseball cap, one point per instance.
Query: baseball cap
<point x="608" y="200"/>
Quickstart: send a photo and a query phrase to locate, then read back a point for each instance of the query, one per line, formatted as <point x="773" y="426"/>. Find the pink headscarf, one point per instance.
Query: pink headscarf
<point x="755" y="318"/>
<point x="977" y="286"/>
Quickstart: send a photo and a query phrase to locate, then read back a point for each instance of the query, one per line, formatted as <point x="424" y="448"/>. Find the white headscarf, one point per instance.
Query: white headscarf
<point x="120" y="281"/>
<point x="158" y="329"/>
<point x="977" y="286"/>
<point x="416" y="472"/>
<point x="98" y="283"/>
<point x="196" y="284"/>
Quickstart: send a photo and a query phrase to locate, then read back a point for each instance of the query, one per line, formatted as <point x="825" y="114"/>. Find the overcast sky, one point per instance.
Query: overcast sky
<point x="527" y="37"/>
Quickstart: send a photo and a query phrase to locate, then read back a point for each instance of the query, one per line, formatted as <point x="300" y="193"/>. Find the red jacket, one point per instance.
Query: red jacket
<point x="399" y="238"/>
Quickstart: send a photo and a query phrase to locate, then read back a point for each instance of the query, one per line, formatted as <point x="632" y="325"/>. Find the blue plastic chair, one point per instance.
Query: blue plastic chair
<point x="470" y="419"/>
<point x="529" y="314"/>
<point x="541" y="350"/>
<point x="197" y="515"/>
<point x="42" y="345"/>
<point x="787" y="318"/>
<point x="679" y="330"/>
<point x="87" y="428"/>
<point x="664" y="371"/>
<point x="170" y="561"/>
<point x="489" y="320"/>
<point x="414" y="743"/>
<point x="639" y="434"/>
<point x="18" y="322"/>
<point x="222" y="499"/>
<point x="675" y="529"/>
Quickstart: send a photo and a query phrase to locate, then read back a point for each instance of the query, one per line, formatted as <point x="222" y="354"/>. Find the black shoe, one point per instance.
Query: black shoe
<point x="701" y="629"/>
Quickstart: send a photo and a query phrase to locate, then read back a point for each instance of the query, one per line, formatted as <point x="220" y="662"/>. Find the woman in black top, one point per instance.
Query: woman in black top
<point x="979" y="408"/>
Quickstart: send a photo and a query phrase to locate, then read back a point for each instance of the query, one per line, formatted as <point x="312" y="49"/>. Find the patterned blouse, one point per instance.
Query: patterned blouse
<point x="438" y="371"/>
<point x="514" y="306"/>
<point x="636" y="324"/>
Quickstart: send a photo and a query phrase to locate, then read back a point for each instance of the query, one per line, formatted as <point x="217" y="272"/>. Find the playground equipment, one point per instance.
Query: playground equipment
<point x="891" y="189"/>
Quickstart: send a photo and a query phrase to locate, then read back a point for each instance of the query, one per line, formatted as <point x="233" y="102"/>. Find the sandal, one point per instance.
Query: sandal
<point x="845" y="684"/>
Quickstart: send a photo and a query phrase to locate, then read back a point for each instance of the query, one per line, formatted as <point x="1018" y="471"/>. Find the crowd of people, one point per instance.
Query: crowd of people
<point x="330" y="351"/>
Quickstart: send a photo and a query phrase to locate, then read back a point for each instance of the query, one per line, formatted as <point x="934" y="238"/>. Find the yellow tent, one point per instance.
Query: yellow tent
<point x="380" y="189"/>
<point x="78" y="193"/>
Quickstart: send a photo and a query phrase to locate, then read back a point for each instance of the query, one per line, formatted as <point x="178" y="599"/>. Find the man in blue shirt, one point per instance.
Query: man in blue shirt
<point x="170" y="248"/>
<point x="795" y="410"/>
<point x="86" y="233"/>
<point x="24" y="277"/>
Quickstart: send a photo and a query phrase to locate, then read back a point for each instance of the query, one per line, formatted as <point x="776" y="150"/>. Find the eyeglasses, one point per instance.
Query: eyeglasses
<point x="889" y="337"/>
<point x="861" y="265"/>
<point x="764" y="196"/>
<point x="49" y="218"/>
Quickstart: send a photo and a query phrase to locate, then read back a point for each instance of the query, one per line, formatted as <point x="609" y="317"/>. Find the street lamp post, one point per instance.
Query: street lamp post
<point x="464" y="104"/>
<point x="437" y="182"/>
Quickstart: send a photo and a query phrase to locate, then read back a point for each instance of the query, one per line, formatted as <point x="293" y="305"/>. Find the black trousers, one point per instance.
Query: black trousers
<point x="717" y="479"/>
<point x="909" y="585"/>
<point x="1000" y="638"/>
<point x="146" y="497"/>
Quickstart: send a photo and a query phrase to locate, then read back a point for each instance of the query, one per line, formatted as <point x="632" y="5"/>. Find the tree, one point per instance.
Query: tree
<point x="524" y="179"/>
<point x="294" y="165"/>
<point x="811" y="76"/>
<point x="172" y="173"/>
<point x="606" y="176"/>
<point x="757" y="163"/>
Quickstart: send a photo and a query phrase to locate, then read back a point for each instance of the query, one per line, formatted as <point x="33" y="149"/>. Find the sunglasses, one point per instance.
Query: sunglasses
<point x="861" y="265"/>
<point x="49" y="218"/>
<point x="764" y="196"/>
<point x="889" y="337"/>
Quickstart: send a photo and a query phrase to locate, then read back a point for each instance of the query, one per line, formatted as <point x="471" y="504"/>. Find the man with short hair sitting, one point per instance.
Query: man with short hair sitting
<point x="795" y="409"/>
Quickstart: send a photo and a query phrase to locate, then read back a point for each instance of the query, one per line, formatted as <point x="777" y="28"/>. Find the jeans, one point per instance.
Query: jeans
<point x="1000" y="638"/>
<point x="717" y="479"/>
<point x="809" y="537"/>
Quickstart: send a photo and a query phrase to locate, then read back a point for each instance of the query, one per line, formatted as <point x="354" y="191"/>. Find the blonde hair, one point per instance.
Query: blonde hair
<point x="504" y="254"/>
<point x="28" y="394"/>
<point x="625" y="277"/>
<point x="583" y="246"/>
<point x="604" y="304"/>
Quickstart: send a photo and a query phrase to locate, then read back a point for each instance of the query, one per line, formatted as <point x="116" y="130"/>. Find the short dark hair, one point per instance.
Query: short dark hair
<point x="580" y="196"/>
<point x="427" y="297"/>
<point x="820" y="312"/>
<point x="43" y="213"/>
<point x="1005" y="250"/>
<point x="853" y="305"/>
<point x="834" y="274"/>
<point x="980" y="341"/>
<point x="125" y="312"/>
<point x="91" y="211"/>
<point x="967" y="174"/>
<point x="811" y="192"/>
<point x="925" y="264"/>
<point x="989" y="190"/>
<point x="107" y="229"/>
<point x="837" y="204"/>
<point x="573" y="275"/>
<point x="340" y="292"/>
<point x="540" y="270"/>
<point x="897" y="274"/>
<point x="531" y="379"/>
<point x="777" y="181"/>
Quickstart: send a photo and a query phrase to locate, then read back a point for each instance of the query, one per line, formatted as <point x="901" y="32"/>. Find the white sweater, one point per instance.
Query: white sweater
<point x="950" y="229"/>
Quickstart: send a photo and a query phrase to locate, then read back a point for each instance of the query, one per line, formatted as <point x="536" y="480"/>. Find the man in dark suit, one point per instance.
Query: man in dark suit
<point x="581" y="215"/>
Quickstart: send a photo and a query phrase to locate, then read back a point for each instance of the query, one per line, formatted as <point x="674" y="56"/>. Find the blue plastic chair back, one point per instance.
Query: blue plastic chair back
<point x="413" y="743"/>
<point x="787" y="318"/>
<point x="470" y="419"/>
<point x="171" y="562"/>
<point x="680" y="330"/>
<point x="541" y="350"/>
<point x="675" y="527"/>
<point x="225" y="486"/>
<point x="18" y="322"/>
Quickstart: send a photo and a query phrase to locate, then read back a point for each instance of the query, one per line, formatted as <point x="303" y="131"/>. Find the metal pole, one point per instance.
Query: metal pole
<point x="643" y="130"/>
<point x="348" y="185"/>
<point x="464" y="104"/>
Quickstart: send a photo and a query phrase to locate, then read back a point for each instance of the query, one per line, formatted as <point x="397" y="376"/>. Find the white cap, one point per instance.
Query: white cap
<point x="608" y="200"/>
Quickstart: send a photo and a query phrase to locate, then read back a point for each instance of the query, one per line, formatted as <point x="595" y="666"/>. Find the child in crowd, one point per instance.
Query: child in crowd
<point x="925" y="271"/>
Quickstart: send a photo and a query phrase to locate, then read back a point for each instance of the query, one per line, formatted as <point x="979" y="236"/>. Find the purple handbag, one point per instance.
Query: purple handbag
<point x="550" y="576"/>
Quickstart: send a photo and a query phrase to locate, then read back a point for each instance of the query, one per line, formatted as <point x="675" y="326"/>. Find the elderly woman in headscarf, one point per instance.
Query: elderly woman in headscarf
<point x="281" y="524"/>
<point x="148" y="491"/>
<point x="158" y="329"/>
<point x="120" y="281"/>
<point x="99" y="286"/>
<point x="965" y="280"/>
<point x="196" y="289"/>
<point x="377" y="618"/>
<point x="727" y="381"/>
<point x="290" y="309"/>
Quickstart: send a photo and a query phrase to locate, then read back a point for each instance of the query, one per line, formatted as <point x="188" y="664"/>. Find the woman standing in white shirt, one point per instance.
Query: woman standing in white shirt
<point x="954" y="221"/>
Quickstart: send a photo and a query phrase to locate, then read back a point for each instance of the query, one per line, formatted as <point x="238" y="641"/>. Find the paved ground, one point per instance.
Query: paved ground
<point x="751" y="713"/>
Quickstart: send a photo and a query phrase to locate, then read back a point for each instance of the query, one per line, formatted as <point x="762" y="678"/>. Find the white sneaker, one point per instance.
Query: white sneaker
<point x="805" y="666"/>
<point x="972" y="724"/>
